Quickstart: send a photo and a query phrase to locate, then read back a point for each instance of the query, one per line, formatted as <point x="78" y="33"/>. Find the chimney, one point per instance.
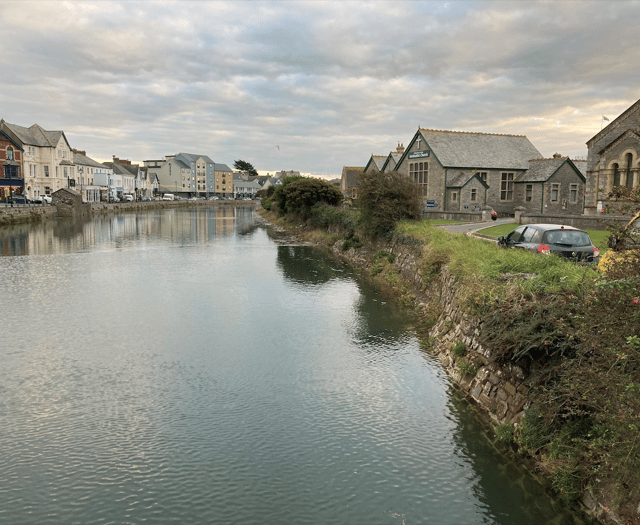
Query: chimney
<point x="557" y="156"/>
<point x="400" y="148"/>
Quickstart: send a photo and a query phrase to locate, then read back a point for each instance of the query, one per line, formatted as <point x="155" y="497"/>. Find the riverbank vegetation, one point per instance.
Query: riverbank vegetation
<point x="575" y="330"/>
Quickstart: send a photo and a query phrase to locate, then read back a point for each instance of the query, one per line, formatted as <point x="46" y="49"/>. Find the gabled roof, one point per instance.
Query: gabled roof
<point x="192" y="157"/>
<point x="462" y="179"/>
<point x="119" y="169"/>
<point x="8" y="138"/>
<point x="36" y="136"/>
<point x="221" y="167"/>
<point x="375" y="162"/>
<point x="635" y="106"/>
<point x="392" y="159"/>
<point x="352" y="176"/>
<point x="619" y="139"/>
<point x="541" y="170"/>
<point x="461" y="149"/>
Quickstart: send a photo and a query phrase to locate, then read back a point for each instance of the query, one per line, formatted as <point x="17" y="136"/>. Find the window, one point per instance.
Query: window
<point x="483" y="176"/>
<point x="454" y="196"/>
<point x="65" y="172"/>
<point x="474" y="194"/>
<point x="573" y="193"/>
<point x="10" y="153"/>
<point x="506" y="187"/>
<point x="419" y="173"/>
<point x="555" y="192"/>
<point x="528" y="234"/>
<point x="528" y="192"/>
<point x="46" y="171"/>
<point x="11" y="172"/>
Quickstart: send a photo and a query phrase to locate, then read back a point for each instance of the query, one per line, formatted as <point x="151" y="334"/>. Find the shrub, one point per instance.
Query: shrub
<point x="384" y="199"/>
<point x="467" y="368"/>
<point x="297" y="197"/>
<point x="504" y="433"/>
<point x="459" y="348"/>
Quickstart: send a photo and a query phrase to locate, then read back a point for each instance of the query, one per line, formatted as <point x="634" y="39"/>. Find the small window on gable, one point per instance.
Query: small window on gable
<point x="10" y="153"/>
<point x="474" y="194"/>
<point x="454" y="196"/>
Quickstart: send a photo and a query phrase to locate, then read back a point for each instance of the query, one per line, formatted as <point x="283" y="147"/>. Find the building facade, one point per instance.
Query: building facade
<point x="47" y="160"/>
<point x="446" y="165"/>
<point x="613" y="157"/>
<point x="11" y="174"/>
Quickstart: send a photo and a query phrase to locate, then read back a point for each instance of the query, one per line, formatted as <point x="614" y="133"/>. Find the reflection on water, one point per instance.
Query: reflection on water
<point x="121" y="231"/>
<point x="179" y="366"/>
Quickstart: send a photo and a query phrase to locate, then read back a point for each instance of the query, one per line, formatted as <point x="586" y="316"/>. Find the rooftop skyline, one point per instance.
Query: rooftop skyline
<point x="314" y="86"/>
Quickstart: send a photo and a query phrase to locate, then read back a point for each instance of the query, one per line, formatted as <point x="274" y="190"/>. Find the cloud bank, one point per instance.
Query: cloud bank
<point x="329" y="82"/>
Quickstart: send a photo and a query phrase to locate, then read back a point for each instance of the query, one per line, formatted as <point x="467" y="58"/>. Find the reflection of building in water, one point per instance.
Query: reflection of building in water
<point x="117" y="231"/>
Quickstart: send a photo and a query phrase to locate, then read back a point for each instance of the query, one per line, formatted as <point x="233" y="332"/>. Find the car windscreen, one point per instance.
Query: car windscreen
<point x="567" y="238"/>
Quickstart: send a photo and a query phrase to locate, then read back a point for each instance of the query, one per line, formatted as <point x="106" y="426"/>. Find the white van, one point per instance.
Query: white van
<point x="127" y="197"/>
<point x="168" y="197"/>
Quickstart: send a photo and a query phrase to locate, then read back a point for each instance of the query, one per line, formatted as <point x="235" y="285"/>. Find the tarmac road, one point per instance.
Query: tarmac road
<point x="469" y="228"/>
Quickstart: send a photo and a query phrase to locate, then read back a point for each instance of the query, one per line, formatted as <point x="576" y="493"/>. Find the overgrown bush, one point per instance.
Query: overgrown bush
<point x="324" y="216"/>
<point x="384" y="199"/>
<point x="298" y="196"/>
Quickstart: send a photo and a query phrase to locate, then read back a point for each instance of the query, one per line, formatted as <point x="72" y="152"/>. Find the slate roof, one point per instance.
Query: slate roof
<point x="541" y="170"/>
<point x="462" y="179"/>
<point x="377" y="160"/>
<point x="480" y="150"/>
<point x="193" y="157"/>
<point x="220" y="167"/>
<point x="393" y="157"/>
<point x="36" y="136"/>
<point x="352" y="176"/>
<point x="83" y="160"/>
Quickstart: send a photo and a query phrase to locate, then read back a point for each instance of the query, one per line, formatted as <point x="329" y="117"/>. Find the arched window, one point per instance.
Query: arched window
<point x="629" y="157"/>
<point x="616" y="175"/>
<point x="10" y="153"/>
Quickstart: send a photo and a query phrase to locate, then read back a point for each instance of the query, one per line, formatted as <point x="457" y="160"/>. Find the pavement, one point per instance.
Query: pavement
<point x="471" y="228"/>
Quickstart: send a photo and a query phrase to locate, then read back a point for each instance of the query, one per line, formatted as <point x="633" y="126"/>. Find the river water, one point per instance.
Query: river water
<point x="182" y="366"/>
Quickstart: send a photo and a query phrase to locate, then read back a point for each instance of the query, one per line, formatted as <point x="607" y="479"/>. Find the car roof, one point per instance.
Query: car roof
<point x="552" y="227"/>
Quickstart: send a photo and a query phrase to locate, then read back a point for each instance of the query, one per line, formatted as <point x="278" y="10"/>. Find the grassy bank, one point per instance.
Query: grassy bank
<point x="571" y="328"/>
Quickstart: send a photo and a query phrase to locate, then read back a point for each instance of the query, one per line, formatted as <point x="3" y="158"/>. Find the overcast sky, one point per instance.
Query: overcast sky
<point x="313" y="86"/>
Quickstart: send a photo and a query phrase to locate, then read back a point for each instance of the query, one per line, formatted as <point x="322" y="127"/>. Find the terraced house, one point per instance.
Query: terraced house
<point x="11" y="179"/>
<point x="47" y="162"/>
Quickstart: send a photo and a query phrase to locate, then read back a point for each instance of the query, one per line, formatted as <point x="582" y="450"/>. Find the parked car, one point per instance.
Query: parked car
<point x="564" y="241"/>
<point x="144" y="198"/>
<point x="127" y="197"/>
<point x="47" y="199"/>
<point x="20" y="199"/>
<point x="213" y="198"/>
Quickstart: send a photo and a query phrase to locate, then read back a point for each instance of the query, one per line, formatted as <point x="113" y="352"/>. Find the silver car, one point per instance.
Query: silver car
<point x="565" y="241"/>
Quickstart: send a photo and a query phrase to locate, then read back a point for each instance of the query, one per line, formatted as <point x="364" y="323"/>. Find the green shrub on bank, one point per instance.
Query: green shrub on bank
<point x="298" y="195"/>
<point x="383" y="200"/>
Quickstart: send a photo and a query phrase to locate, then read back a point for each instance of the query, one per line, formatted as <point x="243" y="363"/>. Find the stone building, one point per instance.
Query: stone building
<point x="553" y="186"/>
<point x="11" y="176"/>
<point x="613" y="157"/>
<point x="451" y="168"/>
<point x="350" y="180"/>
